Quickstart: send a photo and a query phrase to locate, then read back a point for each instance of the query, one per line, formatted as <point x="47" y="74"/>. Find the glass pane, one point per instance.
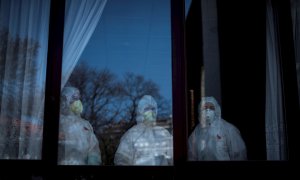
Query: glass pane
<point x="211" y="135"/>
<point x="23" y="55"/>
<point x="106" y="119"/>
<point x="256" y="108"/>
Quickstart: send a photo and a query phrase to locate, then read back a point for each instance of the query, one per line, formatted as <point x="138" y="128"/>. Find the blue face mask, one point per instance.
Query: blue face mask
<point x="207" y="116"/>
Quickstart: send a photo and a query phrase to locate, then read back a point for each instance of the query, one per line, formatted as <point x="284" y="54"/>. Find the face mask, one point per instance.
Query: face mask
<point x="149" y="116"/>
<point x="207" y="116"/>
<point x="76" y="107"/>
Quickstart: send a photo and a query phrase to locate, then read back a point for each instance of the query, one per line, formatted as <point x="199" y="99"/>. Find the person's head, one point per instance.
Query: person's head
<point x="146" y="110"/>
<point x="209" y="111"/>
<point x="70" y="101"/>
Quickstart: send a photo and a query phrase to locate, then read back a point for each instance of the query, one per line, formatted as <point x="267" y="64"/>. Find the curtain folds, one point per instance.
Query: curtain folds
<point x="274" y="120"/>
<point x="23" y="53"/>
<point x="81" y="20"/>
<point x="295" y="9"/>
<point x="24" y="28"/>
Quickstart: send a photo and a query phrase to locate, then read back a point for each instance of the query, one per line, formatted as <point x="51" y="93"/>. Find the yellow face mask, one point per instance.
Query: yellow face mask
<point x="76" y="107"/>
<point x="149" y="116"/>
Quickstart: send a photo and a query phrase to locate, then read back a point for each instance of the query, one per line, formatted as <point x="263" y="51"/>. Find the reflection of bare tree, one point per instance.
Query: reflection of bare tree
<point x="17" y="67"/>
<point x="164" y="108"/>
<point x="110" y="104"/>
<point x="105" y="98"/>
<point x="135" y="87"/>
<point x="100" y="94"/>
<point x="17" y="81"/>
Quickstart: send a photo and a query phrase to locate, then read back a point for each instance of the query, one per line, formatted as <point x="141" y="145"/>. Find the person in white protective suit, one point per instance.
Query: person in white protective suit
<point x="145" y="143"/>
<point x="214" y="138"/>
<point x="78" y="144"/>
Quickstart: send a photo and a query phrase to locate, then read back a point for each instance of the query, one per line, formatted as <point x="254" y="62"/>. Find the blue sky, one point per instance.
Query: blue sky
<point x="134" y="36"/>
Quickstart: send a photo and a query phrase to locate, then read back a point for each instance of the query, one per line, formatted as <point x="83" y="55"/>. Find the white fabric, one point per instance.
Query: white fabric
<point x="21" y="86"/>
<point x="145" y="144"/>
<point x="20" y="114"/>
<point x="274" y="123"/>
<point x="217" y="140"/>
<point x="295" y="8"/>
<point x="81" y="19"/>
<point x="78" y="144"/>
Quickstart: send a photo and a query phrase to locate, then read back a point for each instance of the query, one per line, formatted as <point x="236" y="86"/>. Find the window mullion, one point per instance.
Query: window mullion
<point x="53" y="82"/>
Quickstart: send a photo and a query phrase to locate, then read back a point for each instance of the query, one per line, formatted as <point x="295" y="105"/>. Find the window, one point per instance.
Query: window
<point x="115" y="58"/>
<point x="237" y="98"/>
<point x="221" y="51"/>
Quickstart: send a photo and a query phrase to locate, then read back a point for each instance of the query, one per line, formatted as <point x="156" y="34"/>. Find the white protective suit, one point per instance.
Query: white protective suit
<point x="145" y="143"/>
<point x="214" y="138"/>
<point x="78" y="144"/>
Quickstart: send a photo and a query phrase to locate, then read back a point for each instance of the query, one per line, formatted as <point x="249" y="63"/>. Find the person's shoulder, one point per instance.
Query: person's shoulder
<point x="161" y="130"/>
<point x="68" y="119"/>
<point x="195" y="131"/>
<point x="230" y="126"/>
<point x="197" y="127"/>
<point x="156" y="127"/>
<point x="134" y="129"/>
<point x="85" y="123"/>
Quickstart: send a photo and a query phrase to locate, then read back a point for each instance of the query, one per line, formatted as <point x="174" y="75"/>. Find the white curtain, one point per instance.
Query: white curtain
<point x="295" y="9"/>
<point x="275" y="131"/>
<point x="23" y="54"/>
<point x="24" y="28"/>
<point x="82" y="17"/>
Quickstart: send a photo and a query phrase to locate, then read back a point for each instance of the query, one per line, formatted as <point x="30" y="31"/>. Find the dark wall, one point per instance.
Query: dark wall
<point x="194" y="59"/>
<point x="242" y="59"/>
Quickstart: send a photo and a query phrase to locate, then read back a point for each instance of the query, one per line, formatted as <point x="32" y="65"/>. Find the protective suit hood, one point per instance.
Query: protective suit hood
<point x="78" y="145"/>
<point x="216" y="140"/>
<point x="68" y="96"/>
<point x="217" y="109"/>
<point x="145" y="143"/>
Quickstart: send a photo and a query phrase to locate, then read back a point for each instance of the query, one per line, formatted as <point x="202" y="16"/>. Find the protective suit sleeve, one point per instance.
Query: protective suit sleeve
<point x="237" y="148"/>
<point x="94" y="153"/>
<point x="169" y="146"/>
<point x="192" y="150"/>
<point x="124" y="154"/>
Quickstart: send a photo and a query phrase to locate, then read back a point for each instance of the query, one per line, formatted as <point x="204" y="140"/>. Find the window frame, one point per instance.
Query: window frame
<point x="47" y="166"/>
<point x="53" y="86"/>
